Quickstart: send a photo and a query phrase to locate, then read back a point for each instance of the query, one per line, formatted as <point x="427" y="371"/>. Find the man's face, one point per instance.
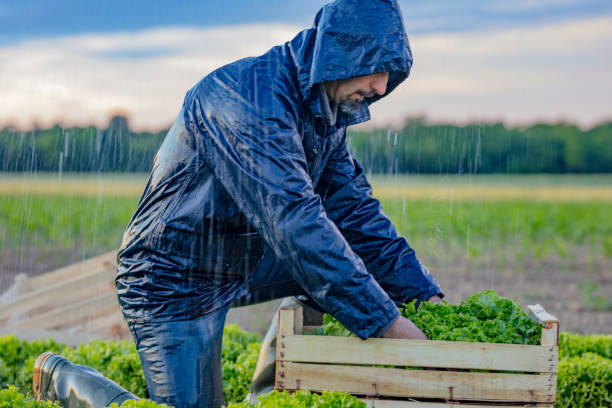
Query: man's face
<point x="349" y="93"/>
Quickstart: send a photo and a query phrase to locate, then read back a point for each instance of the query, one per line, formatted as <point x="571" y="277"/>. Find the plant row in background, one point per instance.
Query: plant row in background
<point x="584" y="373"/>
<point x="527" y="230"/>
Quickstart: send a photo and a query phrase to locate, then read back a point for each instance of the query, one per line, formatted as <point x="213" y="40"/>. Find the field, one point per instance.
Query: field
<point x="545" y="239"/>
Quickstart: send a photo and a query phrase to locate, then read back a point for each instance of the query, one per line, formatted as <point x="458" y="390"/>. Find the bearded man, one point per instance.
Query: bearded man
<point x="254" y="196"/>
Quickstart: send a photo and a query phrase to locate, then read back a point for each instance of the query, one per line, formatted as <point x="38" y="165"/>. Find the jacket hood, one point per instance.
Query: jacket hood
<point x="352" y="38"/>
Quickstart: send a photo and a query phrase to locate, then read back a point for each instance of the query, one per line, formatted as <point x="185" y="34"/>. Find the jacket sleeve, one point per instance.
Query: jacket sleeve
<point x="259" y="159"/>
<point x="347" y="198"/>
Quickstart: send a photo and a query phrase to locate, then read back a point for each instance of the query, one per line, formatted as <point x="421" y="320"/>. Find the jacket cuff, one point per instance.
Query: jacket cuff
<point x="387" y="324"/>
<point x="432" y="291"/>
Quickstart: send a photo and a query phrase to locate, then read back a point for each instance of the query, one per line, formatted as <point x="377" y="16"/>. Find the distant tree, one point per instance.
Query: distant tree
<point x="418" y="147"/>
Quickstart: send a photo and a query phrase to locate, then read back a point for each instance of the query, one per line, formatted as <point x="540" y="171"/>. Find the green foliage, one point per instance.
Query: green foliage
<point x="585" y="364"/>
<point x="11" y="398"/>
<point x="484" y="317"/>
<point x="119" y="361"/>
<point x="504" y="228"/>
<point x="235" y="340"/>
<point x="116" y="360"/>
<point x="303" y="399"/>
<point x="55" y="222"/>
<point x="239" y="353"/>
<point x="79" y="149"/>
<point x="585" y="382"/>
<point x="417" y="148"/>
<point x="17" y="359"/>
<point x="535" y="230"/>
<point x="575" y="345"/>
<point x="5" y="373"/>
<point x="584" y="377"/>
<point x="484" y="148"/>
<point x="591" y="297"/>
<point x="332" y="327"/>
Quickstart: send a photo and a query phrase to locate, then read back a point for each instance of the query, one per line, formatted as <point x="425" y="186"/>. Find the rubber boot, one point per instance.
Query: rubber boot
<point x="265" y="369"/>
<point x="74" y="386"/>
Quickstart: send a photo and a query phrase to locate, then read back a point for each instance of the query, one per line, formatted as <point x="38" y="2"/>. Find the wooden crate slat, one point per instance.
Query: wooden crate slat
<point x="107" y="261"/>
<point x="72" y="314"/>
<point x="446" y="385"/>
<point x="540" y="315"/>
<point x="550" y="335"/>
<point x="381" y="403"/>
<point x="419" y="353"/>
<point x="550" y="325"/>
<point x="285" y="328"/>
<point x="106" y="322"/>
<point x="61" y="291"/>
<point x="112" y="325"/>
<point x="69" y="338"/>
<point x="461" y="388"/>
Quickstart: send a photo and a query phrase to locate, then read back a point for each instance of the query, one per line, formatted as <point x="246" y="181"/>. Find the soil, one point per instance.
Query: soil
<point x="580" y="308"/>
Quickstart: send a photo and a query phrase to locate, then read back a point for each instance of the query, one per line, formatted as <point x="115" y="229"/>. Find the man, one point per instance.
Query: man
<point x="254" y="196"/>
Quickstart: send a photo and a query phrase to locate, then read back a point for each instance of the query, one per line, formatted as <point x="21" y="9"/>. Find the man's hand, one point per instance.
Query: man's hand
<point x="403" y="328"/>
<point x="435" y="299"/>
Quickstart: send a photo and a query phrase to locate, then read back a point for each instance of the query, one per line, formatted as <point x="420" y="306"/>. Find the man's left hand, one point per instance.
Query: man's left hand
<point x="435" y="299"/>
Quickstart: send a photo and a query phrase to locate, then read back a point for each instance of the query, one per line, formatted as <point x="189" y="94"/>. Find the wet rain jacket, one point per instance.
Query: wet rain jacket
<point x="253" y="168"/>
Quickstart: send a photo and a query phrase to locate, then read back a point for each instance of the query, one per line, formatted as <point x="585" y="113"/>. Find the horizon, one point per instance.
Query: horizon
<point x="361" y="127"/>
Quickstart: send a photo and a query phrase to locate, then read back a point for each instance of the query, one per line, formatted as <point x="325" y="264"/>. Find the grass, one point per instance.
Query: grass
<point x="72" y="184"/>
<point x="534" y="238"/>
<point x="542" y="188"/>
<point x="533" y="216"/>
<point x="62" y="223"/>
<point x="533" y="229"/>
<point x="522" y="180"/>
<point x="431" y="187"/>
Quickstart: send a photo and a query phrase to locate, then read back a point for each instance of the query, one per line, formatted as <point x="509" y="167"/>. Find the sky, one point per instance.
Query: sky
<point x="77" y="62"/>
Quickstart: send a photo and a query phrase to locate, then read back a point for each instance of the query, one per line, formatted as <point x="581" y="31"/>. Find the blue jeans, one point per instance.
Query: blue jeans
<point x="182" y="359"/>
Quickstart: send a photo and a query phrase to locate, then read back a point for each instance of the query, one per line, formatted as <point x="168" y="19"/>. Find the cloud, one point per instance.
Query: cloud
<point x="505" y="6"/>
<point x="548" y="72"/>
<point x="552" y="72"/>
<point x="146" y="73"/>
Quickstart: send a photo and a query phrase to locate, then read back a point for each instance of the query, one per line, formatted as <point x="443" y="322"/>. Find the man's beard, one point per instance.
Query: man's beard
<point x="349" y="106"/>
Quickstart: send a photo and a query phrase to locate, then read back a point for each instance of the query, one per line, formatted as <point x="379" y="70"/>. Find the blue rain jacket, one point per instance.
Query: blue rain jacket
<point x="253" y="168"/>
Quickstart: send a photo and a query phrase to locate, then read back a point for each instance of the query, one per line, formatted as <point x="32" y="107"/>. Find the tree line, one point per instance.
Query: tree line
<point x="418" y="147"/>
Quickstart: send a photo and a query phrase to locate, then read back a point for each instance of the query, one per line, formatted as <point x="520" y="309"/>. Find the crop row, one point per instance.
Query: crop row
<point x="119" y="361"/>
<point x="584" y="373"/>
<point x="525" y="229"/>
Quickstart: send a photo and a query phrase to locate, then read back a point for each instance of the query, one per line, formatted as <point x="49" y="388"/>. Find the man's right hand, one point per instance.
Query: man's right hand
<point x="403" y="328"/>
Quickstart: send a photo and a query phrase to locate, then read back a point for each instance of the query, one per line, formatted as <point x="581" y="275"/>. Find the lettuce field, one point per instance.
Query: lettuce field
<point x="535" y="238"/>
<point x="584" y="373"/>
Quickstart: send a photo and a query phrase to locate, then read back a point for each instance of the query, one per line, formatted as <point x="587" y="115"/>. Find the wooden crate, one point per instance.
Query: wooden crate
<point x="516" y="376"/>
<point x="78" y="298"/>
